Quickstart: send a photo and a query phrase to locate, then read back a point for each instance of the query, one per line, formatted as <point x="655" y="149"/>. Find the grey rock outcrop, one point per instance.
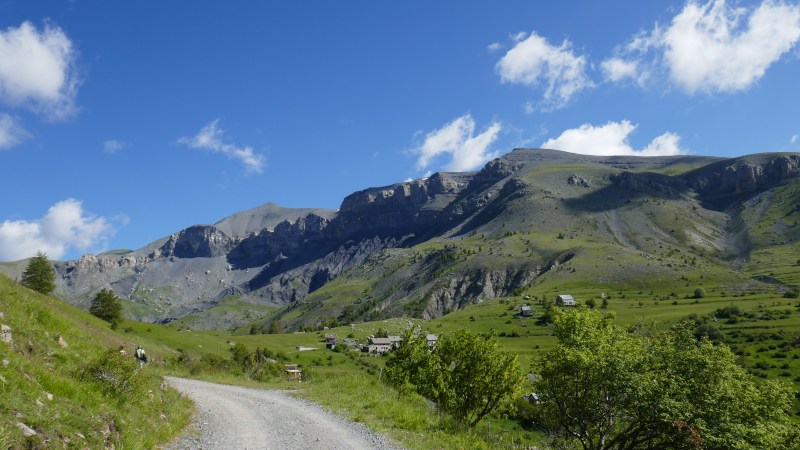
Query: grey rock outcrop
<point x="5" y="334"/>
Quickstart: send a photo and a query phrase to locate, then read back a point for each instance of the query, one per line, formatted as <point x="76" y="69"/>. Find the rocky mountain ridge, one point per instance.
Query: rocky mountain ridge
<point x="275" y="257"/>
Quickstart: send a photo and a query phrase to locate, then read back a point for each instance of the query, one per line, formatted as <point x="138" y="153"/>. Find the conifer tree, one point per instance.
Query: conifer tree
<point x="39" y="275"/>
<point x="106" y="305"/>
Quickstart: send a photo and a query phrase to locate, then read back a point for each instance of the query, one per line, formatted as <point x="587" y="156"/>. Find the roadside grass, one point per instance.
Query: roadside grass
<point x="80" y="392"/>
<point x="410" y="420"/>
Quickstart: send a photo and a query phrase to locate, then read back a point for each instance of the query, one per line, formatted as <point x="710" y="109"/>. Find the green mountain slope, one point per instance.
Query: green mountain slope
<point x="64" y="384"/>
<point x="660" y="226"/>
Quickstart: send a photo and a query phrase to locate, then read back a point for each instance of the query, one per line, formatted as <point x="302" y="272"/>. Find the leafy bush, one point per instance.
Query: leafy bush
<point x="467" y="375"/>
<point x="728" y="311"/>
<point x="661" y="389"/>
<point x="117" y="374"/>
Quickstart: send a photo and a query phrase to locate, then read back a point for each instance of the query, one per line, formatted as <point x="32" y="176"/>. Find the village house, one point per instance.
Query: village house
<point x="395" y="340"/>
<point x="525" y="311"/>
<point x="330" y="341"/>
<point x="377" y="346"/>
<point x="432" y="340"/>
<point x="566" y="300"/>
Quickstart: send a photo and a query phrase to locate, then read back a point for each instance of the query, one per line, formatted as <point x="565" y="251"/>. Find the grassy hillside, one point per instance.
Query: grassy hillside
<point x="63" y="378"/>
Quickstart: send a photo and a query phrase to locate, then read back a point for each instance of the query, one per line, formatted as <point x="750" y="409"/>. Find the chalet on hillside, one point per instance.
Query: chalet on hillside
<point x="432" y="340"/>
<point x="395" y="340"/>
<point x="330" y="341"/>
<point x="566" y="300"/>
<point x="525" y="311"/>
<point x="377" y="346"/>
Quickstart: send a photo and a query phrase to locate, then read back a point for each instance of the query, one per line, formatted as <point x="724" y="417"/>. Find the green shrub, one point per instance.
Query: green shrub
<point x="117" y="374"/>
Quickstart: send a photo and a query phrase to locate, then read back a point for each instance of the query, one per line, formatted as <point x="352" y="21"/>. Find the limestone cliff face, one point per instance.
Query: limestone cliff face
<point x="398" y="210"/>
<point x="286" y="240"/>
<point x="745" y="175"/>
<point x="199" y="241"/>
<point x="457" y="292"/>
<point x="650" y="183"/>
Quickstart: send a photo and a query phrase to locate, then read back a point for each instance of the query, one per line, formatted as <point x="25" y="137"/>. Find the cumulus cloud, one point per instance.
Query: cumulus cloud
<point x="612" y="139"/>
<point x="37" y="70"/>
<point x="533" y="61"/>
<point x="65" y="225"/>
<point x="457" y="139"/>
<point x="11" y="131"/>
<point x="210" y="138"/>
<point x="713" y="47"/>
<point x="113" y="146"/>
<point x="618" y="69"/>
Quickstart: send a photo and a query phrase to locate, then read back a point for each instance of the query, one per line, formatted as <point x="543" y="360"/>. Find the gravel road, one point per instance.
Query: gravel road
<point x="233" y="417"/>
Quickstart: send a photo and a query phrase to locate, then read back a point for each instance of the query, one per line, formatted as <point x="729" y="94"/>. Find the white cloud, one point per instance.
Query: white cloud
<point x="518" y="36"/>
<point x="458" y="140"/>
<point x="113" y="145"/>
<point x="65" y="225"/>
<point x="37" y="70"/>
<point x="612" y="139"/>
<point x="11" y="132"/>
<point x="534" y="61"/>
<point x="494" y="46"/>
<point x="529" y="107"/>
<point x="210" y="138"/>
<point x="618" y="69"/>
<point x="713" y="47"/>
<point x="793" y="139"/>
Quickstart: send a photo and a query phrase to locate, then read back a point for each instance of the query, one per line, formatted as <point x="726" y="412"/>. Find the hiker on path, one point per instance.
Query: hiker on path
<point x="140" y="355"/>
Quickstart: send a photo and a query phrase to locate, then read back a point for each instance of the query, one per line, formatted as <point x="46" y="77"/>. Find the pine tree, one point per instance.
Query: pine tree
<point x="107" y="306"/>
<point x="39" y="275"/>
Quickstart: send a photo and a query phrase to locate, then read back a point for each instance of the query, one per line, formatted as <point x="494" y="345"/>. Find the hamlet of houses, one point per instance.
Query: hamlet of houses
<point x="380" y="345"/>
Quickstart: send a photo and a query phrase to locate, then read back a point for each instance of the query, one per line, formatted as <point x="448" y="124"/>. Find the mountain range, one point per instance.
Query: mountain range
<point x="531" y="220"/>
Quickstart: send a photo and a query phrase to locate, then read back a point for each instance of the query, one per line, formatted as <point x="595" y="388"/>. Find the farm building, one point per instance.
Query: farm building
<point x="566" y="300"/>
<point x="378" y="345"/>
<point x="525" y="311"/>
<point x="330" y="341"/>
<point x="395" y="340"/>
<point x="432" y="340"/>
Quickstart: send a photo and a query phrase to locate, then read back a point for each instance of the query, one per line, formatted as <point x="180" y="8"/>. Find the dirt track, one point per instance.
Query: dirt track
<point x="232" y="417"/>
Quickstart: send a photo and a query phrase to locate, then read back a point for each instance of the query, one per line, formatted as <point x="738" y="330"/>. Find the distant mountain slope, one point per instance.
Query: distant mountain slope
<point x="430" y="245"/>
<point x="241" y="224"/>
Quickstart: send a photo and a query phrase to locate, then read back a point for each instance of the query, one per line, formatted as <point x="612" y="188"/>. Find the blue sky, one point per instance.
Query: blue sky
<point x="122" y="122"/>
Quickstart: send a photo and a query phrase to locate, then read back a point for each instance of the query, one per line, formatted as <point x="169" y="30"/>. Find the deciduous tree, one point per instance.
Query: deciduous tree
<point x="467" y="375"/>
<point x="605" y="387"/>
